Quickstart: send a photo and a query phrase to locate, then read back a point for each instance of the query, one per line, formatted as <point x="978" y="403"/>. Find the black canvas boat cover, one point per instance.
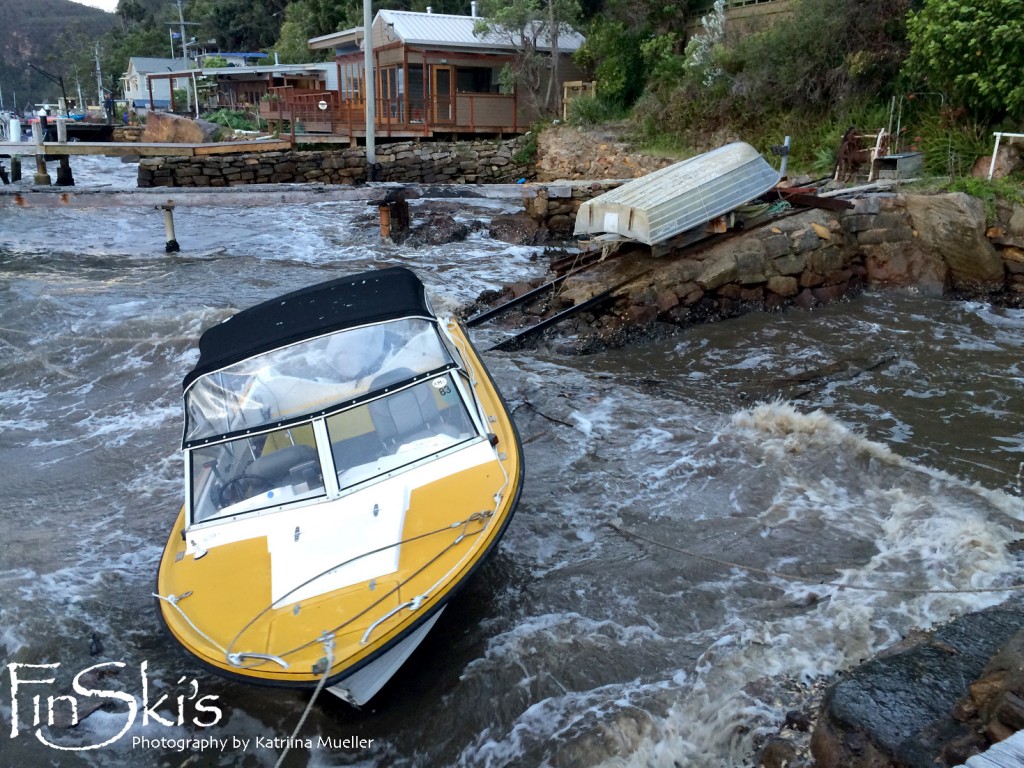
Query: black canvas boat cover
<point x="347" y="302"/>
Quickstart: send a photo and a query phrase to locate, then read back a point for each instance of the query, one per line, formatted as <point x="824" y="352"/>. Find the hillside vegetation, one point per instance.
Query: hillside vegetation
<point x="49" y="34"/>
<point x="943" y="74"/>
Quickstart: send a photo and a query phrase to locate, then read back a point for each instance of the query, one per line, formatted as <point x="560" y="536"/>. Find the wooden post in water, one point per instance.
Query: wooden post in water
<point x="42" y="177"/>
<point x="394" y="217"/>
<point x="64" y="177"/>
<point x="15" y="168"/>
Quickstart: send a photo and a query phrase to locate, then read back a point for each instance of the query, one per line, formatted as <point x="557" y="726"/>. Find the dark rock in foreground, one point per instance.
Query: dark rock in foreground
<point x="923" y="706"/>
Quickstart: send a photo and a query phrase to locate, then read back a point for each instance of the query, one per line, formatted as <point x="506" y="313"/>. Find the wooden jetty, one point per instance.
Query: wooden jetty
<point x="53" y="149"/>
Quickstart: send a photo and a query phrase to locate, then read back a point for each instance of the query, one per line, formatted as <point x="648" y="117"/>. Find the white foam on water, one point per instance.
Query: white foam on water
<point x="929" y="531"/>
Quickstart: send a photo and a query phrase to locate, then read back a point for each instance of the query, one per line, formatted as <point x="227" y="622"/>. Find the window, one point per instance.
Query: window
<point x="476" y="80"/>
<point x="253" y="473"/>
<point x="398" y="429"/>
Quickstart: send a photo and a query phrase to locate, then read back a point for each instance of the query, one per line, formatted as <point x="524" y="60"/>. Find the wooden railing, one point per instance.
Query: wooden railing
<point x="465" y="111"/>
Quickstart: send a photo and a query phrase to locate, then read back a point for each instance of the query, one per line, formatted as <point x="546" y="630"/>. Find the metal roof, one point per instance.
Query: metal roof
<point x="682" y="196"/>
<point x="346" y="36"/>
<point x="450" y="30"/>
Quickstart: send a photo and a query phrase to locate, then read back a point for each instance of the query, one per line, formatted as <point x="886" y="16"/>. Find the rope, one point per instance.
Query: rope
<point x="806" y="580"/>
<point x="328" y="643"/>
<point x="778" y="207"/>
<point x="173" y="600"/>
<point x="476" y="516"/>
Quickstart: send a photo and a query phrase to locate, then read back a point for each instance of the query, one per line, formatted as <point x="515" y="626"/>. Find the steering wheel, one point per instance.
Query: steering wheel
<point x="242" y="487"/>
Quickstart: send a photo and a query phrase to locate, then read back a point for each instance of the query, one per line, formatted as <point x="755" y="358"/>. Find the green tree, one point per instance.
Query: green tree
<point x="973" y="52"/>
<point x="612" y="56"/>
<point x="238" y="25"/>
<point x="532" y="26"/>
<point x="299" y="26"/>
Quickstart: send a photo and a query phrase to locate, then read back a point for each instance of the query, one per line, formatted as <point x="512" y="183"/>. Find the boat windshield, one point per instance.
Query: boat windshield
<point x="367" y="441"/>
<point x="311" y="376"/>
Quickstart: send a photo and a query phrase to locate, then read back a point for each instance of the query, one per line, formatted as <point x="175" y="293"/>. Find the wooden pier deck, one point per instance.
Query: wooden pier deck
<point x="139" y="149"/>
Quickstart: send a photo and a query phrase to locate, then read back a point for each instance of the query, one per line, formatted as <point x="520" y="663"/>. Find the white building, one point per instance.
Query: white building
<point x="137" y="89"/>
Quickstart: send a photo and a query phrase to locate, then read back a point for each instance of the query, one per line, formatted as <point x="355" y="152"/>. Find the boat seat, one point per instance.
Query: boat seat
<point x="357" y="450"/>
<point x="405" y="416"/>
<point x="277" y="467"/>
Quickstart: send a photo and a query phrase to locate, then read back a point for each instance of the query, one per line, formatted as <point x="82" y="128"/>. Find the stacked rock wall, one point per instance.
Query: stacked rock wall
<point x="931" y="244"/>
<point x="487" y="161"/>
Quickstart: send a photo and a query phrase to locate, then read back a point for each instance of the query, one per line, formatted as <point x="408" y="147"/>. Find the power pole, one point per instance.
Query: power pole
<point x="184" y="56"/>
<point x="368" y="76"/>
<point x="181" y="23"/>
<point x="99" y="81"/>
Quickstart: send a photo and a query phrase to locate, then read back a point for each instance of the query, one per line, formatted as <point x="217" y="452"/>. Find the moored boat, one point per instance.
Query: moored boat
<point x="349" y="464"/>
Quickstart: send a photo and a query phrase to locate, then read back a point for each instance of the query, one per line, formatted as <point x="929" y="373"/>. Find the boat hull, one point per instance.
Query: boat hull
<point x="678" y="198"/>
<point x="217" y="601"/>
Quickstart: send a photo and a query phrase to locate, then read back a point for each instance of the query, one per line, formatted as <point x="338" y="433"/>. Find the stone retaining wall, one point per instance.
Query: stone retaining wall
<point x="932" y="244"/>
<point x="486" y="161"/>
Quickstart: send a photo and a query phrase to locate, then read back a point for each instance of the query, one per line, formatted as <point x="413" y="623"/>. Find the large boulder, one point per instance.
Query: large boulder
<point x="953" y="226"/>
<point x="1008" y="160"/>
<point x="167" y="128"/>
<point x="904" y="709"/>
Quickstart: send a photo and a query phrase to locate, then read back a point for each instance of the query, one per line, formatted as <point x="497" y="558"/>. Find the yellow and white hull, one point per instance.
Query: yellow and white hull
<point x="343" y="589"/>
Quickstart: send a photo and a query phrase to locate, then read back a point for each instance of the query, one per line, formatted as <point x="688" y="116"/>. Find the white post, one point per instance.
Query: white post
<point x="172" y="244"/>
<point x="992" y="165"/>
<point x="62" y="131"/>
<point x="368" y="77"/>
<point x="785" y="157"/>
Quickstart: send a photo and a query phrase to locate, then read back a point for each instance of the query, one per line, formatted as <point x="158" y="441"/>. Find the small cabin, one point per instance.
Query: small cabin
<point x="433" y="74"/>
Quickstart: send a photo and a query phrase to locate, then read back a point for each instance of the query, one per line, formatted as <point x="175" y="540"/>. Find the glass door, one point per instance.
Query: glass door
<point x="443" y="82"/>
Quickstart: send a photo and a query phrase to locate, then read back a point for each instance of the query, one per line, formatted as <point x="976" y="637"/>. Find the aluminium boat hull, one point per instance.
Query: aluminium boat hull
<point x="678" y="198"/>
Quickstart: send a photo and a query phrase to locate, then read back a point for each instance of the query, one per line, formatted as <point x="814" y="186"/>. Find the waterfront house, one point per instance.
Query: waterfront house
<point x="243" y="87"/>
<point x="142" y="95"/>
<point x="434" y="74"/>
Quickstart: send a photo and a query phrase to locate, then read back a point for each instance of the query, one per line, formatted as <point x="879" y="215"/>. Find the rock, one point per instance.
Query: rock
<point x="792" y="264"/>
<point x="953" y="226"/>
<point x="438" y="229"/>
<point x="1016" y="223"/>
<point x="718" y="272"/>
<point x="666" y="300"/>
<point x="1008" y="160"/>
<point x="783" y="285"/>
<point x="898" y="709"/>
<point x="515" y="228"/>
<point x="168" y="128"/>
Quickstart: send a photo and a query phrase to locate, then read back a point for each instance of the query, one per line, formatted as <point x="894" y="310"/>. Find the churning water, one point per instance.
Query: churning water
<point x="667" y="589"/>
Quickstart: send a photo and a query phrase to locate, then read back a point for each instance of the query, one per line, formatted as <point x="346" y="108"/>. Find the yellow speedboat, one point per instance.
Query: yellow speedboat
<point x="349" y="463"/>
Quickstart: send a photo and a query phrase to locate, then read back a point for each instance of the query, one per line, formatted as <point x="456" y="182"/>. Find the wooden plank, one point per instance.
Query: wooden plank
<point x="148" y="149"/>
